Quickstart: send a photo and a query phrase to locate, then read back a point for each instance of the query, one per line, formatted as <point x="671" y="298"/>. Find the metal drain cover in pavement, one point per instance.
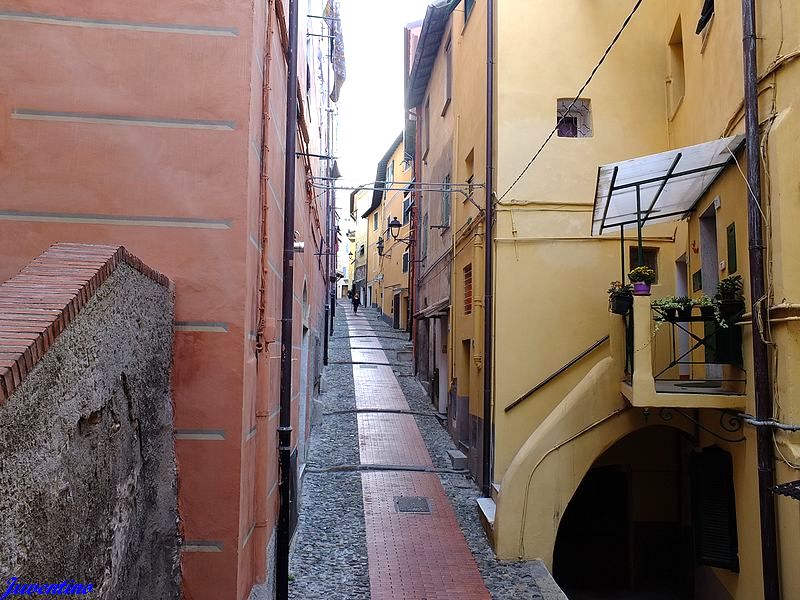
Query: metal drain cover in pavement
<point x="368" y="366"/>
<point x="411" y="504"/>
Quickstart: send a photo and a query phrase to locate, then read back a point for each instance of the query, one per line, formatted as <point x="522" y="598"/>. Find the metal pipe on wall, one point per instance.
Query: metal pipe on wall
<point x="488" y="279"/>
<point x="758" y="296"/>
<point x="286" y="479"/>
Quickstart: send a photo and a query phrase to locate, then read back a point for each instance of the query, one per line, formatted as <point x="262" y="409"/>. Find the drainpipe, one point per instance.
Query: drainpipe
<point x="328" y="251"/>
<point x="488" y="279"/>
<point x="329" y="315"/>
<point x="761" y="376"/>
<point x="287" y="481"/>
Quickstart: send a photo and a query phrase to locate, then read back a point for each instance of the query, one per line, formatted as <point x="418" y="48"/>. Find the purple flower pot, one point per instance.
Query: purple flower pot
<point x="640" y="288"/>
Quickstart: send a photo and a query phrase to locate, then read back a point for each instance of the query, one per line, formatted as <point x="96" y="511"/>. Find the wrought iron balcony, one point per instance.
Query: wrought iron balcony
<point x="688" y="359"/>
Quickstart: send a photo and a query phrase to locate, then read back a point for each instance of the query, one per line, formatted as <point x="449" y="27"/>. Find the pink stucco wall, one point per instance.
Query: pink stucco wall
<point x="140" y="124"/>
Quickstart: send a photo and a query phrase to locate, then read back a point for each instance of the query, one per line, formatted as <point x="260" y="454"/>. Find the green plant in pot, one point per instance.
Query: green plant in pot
<point x="642" y="278"/>
<point x="620" y="298"/>
<point x="730" y="294"/>
<point x="672" y="308"/>
<point x="709" y="308"/>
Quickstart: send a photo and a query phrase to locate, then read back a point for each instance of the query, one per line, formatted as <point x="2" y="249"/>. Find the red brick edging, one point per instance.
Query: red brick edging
<point x="38" y="303"/>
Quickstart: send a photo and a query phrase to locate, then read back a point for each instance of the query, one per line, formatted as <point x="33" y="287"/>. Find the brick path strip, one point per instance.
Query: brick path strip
<point x="412" y="556"/>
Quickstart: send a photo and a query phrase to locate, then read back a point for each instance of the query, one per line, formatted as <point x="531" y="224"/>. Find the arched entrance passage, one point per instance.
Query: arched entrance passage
<point x="627" y="532"/>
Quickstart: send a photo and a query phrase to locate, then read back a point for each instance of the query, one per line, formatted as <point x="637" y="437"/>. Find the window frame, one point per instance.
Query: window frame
<point x="448" y="75"/>
<point x="426" y="128"/>
<point x="581" y="113"/>
<point x="469" y="296"/>
<point x="446" y="201"/>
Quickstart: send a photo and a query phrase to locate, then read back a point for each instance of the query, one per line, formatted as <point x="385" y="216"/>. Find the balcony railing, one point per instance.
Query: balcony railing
<point x="683" y="360"/>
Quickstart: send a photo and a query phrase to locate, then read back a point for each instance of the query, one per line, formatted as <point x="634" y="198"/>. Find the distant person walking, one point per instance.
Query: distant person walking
<point x="356" y="302"/>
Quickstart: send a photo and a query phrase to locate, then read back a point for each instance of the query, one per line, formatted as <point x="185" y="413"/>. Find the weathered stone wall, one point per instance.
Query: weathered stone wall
<point x="87" y="463"/>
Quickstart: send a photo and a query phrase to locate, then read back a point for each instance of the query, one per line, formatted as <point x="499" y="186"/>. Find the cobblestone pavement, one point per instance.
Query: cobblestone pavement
<point x="410" y="555"/>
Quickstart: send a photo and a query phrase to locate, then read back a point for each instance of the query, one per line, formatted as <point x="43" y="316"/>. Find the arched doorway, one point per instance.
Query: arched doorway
<point x="635" y="527"/>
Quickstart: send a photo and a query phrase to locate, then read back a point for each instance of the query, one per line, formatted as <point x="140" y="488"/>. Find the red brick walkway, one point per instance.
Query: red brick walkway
<point x="412" y="556"/>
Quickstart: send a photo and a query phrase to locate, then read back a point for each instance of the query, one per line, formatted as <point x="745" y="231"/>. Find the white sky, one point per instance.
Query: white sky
<point x="371" y="101"/>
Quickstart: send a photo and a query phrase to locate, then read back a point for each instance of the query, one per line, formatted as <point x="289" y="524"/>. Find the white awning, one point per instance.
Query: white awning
<point x="668" y="185"/>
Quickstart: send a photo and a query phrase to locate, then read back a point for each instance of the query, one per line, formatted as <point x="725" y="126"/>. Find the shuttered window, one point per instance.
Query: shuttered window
<point x="468" y="290"/>
<point x="732" y="262"/>
<point x="714" y="509"/>
<point x="468" y="6"/>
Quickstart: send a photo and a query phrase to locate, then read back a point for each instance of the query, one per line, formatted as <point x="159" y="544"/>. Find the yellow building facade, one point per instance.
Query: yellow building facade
<point x="360" y="201"/>
<point x="606" y="435"/>
<point x="389" y="262"/>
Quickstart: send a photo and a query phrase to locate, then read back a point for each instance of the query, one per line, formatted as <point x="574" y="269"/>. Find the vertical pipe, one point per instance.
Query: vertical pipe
<point x="488" y="279"/>
<point x="622" y="254"/>
<point x="761" y="376"/>
<point x="332" y="199"/>
<point x="287" y="494"/>
<point x="328" y="238"/>
<point x="639" y="224"/>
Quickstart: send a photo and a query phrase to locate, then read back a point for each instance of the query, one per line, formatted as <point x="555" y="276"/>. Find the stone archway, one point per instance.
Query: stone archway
<point x="627" y="527"/>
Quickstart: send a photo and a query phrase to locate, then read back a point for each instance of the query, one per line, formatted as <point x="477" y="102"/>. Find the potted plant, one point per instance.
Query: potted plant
<point x="642" y="278"/>
<point x="731" y="297"/>
<point x="620" y="298"/>
<point x="673" y="308"/>
<point x="709" y="308"/>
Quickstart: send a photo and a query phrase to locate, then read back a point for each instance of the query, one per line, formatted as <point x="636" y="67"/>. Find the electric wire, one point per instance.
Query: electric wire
<point x="575" y="100"/>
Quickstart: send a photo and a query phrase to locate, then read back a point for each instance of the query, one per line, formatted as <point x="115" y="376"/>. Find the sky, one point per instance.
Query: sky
<point x="371" y="101"/>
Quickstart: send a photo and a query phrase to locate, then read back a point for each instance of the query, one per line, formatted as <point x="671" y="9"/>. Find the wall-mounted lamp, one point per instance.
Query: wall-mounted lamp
<point x="379" y="245"/>
<point x="394" y="227"/>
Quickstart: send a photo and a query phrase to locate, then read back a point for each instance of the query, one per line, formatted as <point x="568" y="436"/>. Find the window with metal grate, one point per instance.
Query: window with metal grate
<point x="468" y="289"/>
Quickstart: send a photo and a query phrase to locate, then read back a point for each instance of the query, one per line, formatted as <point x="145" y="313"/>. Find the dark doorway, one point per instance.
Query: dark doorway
<point x="627" y="532"/>
<point x="396" y="311"/>
<point x="594" y="534"/>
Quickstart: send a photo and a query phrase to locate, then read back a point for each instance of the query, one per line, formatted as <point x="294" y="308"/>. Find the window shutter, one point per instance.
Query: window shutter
<point x="714" y="509"/>
<point x="705" y="15"/>
<point x="732" y="264"/>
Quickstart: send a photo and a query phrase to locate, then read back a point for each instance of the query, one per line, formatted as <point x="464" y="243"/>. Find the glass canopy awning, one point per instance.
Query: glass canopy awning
<point x="660" y="187"/>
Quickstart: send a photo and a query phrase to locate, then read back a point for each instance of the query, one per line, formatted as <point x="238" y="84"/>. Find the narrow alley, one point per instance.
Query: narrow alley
<point x="383" y="514"/>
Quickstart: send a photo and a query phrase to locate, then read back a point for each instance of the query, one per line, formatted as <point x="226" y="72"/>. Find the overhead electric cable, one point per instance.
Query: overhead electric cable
<point x="575" y="100"/>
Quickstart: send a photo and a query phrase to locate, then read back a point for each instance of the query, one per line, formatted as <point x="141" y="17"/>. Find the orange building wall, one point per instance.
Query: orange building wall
<point x="140" y="124"/>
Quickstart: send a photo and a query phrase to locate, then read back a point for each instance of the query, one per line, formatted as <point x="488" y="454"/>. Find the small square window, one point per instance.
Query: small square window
<point x="574" y="118"/>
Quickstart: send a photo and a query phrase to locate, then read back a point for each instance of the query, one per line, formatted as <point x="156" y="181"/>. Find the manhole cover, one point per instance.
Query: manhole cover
<point x="411" y="504"/>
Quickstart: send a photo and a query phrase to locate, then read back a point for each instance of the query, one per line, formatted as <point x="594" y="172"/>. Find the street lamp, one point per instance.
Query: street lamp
<point x="379" y="246"/>
<point x="394" y="227"/>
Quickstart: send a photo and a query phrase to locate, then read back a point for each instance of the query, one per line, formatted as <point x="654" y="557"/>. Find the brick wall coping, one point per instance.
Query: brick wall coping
<point x="38" y="303"/>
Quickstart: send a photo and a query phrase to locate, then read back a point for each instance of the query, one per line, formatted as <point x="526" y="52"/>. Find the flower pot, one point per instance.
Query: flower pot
<point x="620" y="305"/>
<point x="731" y="309"/>
<point x="707" y="312"/>
<point x="684" y="314"/>
<point x="640" y="288"/>
<point x="669" y="314"/>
